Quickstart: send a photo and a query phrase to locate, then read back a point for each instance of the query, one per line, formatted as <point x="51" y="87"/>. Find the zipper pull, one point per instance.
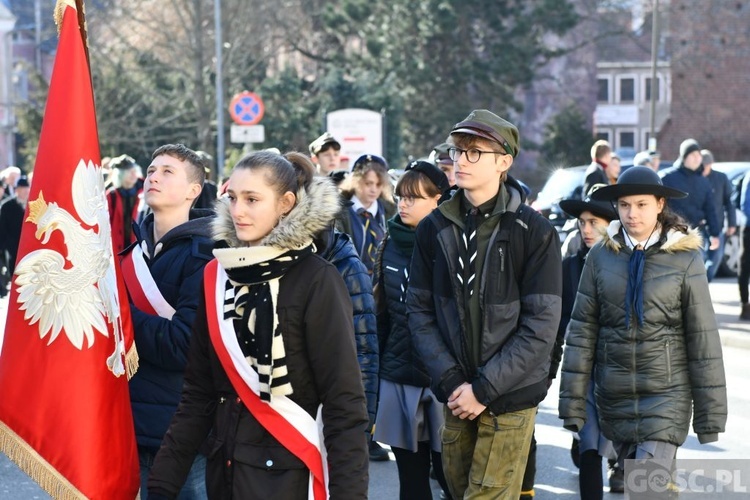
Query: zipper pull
<point x="502" y="259"/>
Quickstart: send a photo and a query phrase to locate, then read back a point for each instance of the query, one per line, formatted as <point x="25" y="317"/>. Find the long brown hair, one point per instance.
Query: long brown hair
<point x="670" y="220"/>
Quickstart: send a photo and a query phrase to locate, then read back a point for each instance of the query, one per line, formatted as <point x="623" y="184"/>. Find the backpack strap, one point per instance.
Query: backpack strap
<point x="517" y="226"/>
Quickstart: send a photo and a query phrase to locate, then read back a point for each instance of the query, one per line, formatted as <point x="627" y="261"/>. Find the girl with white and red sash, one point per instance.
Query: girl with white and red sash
<point x="272" y="372"/>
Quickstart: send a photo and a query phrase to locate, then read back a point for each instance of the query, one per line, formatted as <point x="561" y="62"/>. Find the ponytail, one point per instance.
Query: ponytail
<point x="303" y="166"/>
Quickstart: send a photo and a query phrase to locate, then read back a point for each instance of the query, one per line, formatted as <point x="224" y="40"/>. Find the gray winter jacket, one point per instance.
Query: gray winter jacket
<point x="648" y="378"/>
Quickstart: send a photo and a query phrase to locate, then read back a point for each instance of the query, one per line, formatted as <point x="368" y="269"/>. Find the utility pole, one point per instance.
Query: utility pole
<point x="38" y="35"/>
<point x="654" y="81"/>
<point x="219" y="43"/>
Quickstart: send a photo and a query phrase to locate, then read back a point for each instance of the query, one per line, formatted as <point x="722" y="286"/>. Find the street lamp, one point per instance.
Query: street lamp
<point x="654" y="50"/>
<point x="219" y="92"/>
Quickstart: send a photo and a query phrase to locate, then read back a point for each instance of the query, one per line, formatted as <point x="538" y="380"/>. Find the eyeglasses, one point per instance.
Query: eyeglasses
<point x="409" y="200"/>
<point x="473" y="154"/>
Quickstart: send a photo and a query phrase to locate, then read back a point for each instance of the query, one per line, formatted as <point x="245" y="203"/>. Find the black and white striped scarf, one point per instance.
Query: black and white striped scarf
<point x="250" y="300"/>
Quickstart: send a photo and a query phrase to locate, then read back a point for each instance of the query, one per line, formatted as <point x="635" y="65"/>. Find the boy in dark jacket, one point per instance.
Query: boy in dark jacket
<point x="483" y="307"/>
<point x="163" y="272"/>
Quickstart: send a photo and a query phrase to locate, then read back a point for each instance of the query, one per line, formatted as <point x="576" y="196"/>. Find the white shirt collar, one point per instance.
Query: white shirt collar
<point x="615" y="226"/>
<point x="652" y="240"/>
<point x="357" y="204"/>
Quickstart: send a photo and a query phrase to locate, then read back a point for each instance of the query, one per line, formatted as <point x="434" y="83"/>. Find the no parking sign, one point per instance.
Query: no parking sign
<point x="246" y="108"/>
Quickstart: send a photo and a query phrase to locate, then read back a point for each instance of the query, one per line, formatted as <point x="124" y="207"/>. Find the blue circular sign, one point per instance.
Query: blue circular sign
<point x="246" y="108"/>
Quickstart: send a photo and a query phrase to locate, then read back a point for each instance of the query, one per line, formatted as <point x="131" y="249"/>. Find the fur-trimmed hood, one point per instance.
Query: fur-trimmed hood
<point x="674" y="241"/>
<point x="315" y="209"/>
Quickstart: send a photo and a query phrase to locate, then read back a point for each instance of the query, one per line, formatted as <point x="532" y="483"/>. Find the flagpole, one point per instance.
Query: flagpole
<point x="82" y="26"/>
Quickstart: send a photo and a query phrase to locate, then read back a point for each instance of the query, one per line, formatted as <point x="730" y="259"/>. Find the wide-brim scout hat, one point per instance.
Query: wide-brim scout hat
<point x="634" y="181"/>
<point x="575" y="206"/>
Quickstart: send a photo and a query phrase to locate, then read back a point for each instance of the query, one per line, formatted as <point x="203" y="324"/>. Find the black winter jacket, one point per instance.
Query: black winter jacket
<point x="721" y="187"/>
<point x="572" y="267"/>
<point x="162" y="344"/>
<point x="11" y="221"/>
<point x="399" y="361"/>
<point x="520" y="304"/>
<point x="336" y="247"/>
<point x="595" y="174"/>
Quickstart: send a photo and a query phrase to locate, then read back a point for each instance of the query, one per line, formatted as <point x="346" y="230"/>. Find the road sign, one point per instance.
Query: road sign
<point x="246" y="108"/>
<point x="243" y="134"/>
<point x="359" y="131"/>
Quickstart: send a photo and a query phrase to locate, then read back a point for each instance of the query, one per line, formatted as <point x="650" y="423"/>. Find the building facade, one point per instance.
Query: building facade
<point x="7" y="22"/>
<point x="710" y="60"/>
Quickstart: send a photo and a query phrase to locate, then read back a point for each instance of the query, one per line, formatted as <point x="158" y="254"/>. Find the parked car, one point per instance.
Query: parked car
<point x="563" y="183"/>
<point x="735" y="170"/>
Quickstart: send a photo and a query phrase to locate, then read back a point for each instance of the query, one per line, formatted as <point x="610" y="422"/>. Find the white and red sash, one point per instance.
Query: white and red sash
<point x="284" y="419"/>
<point x="141" y="286"/>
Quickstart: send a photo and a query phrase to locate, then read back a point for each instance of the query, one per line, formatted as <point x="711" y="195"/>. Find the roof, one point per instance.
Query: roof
<point x="624" y="44"/>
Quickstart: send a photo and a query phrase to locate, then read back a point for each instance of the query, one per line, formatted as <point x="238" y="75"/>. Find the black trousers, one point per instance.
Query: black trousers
<point x="743" y="278"/>
<point x="414" y="472"/>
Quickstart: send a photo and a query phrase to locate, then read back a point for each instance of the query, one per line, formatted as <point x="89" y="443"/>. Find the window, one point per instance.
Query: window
<point x="627" y="139"/>
<point x="648" y="89"/>
<point x="602" y="135"/>
<point x="603" y="91"/>
<point x="627" y="89"/>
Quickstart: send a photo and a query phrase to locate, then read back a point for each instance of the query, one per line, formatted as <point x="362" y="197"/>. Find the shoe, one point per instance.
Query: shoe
<point x="616" y="478"/>
<point x="527" y="495"/>
<point x="575" y="454"/>
<point x="745" y="314"/>
<point x="378" y="453"/>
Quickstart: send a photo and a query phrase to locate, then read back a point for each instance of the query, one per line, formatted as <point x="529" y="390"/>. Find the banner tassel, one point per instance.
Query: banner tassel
<point x="131" y="361"/>
<point x="36" y="467"/>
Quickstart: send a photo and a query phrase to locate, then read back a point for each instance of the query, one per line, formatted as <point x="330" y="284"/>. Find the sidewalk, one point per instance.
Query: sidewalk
<point x="725" y="297"/>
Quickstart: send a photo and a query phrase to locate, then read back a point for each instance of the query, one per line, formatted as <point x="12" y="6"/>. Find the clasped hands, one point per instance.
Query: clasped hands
<point x="463" y="404"/>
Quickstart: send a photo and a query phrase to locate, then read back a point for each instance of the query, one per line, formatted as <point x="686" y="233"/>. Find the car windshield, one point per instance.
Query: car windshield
<point x="561" y="184"/>
<point x="733" y="170"/>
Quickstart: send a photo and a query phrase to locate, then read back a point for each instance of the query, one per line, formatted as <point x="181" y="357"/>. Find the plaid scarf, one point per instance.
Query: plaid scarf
<point x="250" y="301"/>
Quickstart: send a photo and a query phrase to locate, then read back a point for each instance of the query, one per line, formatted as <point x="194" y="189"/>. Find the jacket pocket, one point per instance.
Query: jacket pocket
<point x="258" y="470"/>
<point x="267" y="457"/>
<point x="668" y="349"/>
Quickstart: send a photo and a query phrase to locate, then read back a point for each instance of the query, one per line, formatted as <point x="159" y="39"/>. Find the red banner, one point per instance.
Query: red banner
<point x="65" y="415"/>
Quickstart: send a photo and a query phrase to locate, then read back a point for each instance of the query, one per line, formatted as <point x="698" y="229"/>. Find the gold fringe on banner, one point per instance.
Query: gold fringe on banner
<point x="60" y="10"/>
<point x="38" y="469"/>
<point x="131" y="361"/>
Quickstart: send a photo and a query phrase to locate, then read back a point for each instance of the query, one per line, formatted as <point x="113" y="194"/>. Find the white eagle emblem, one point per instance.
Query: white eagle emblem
<point x="80" y="295"/>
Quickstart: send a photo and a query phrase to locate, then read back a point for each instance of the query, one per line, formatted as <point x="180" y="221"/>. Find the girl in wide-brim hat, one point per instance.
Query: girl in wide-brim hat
<point x="643" y="319"/>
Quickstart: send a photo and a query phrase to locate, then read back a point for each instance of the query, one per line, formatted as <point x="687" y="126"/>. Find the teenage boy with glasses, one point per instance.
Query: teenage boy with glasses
<point x="483" y="307"/>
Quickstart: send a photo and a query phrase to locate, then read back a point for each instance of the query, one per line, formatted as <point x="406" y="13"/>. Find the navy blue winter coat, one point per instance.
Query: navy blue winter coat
<point x="698" y="208"/>
<point x="337" y="248"/>
<point x="162" y="344"/>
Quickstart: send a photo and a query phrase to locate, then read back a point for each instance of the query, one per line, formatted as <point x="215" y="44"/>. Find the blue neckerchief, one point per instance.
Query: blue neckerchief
<point x="634" y="292"/>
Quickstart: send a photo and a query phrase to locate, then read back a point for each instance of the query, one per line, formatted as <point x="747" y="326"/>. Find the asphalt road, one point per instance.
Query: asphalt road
<point x="557" y="477"/>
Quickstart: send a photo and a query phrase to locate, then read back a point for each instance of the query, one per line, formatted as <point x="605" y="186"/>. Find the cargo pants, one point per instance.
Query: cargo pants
<point x="485" y="458"/>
